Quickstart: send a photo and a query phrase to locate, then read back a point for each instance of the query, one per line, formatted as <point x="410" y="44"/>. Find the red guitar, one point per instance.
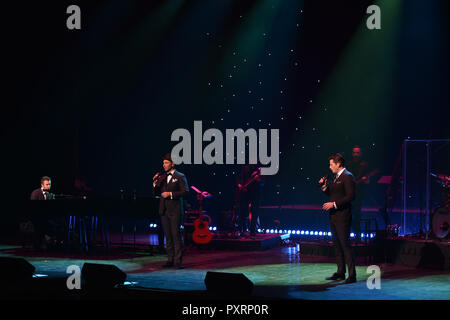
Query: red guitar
<point x="201" y="234"/>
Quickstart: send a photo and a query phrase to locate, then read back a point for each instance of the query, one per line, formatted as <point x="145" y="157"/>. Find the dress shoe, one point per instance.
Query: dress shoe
<point x="168" y="264"/>
<point x="179" y="266"/>
<point x="350" y="280"/>
<point x="336" y="277"/>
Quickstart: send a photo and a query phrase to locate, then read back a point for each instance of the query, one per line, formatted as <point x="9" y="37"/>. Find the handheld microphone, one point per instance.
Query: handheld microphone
<point x="158" y="175"/>
<point x="326" y="177"/>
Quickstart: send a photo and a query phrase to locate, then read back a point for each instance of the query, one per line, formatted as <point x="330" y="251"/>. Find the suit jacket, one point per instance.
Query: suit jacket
<point x="178" y="186"/>
<point x="342" y="192"/>
<point x="38" y="195"/>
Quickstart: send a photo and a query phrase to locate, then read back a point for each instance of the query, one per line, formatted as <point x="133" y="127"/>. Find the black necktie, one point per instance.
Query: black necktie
<point x="169" y="174"/>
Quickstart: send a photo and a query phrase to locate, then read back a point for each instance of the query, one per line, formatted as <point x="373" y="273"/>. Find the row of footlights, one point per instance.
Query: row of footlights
<point x="293" y="232"/>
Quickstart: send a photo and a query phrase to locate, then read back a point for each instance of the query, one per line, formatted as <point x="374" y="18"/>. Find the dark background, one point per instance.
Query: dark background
<point x="100" y="103"/>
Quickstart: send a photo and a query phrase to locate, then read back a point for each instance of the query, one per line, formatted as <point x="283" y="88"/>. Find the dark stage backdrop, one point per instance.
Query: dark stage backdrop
<point x="99" y="104"/>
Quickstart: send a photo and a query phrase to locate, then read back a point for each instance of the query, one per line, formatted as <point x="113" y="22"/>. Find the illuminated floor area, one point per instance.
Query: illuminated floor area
<point x="279" y="273"/>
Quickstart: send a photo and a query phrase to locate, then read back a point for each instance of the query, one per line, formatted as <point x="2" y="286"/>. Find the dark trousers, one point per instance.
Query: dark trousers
<point x="40" y="229"/>
<point x="340" y="224"/>
<point x="160" y="230"/>
<point x="171" y="226"/>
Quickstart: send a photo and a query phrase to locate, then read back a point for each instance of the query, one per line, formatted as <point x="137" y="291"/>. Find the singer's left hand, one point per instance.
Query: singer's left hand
<point x="165" y="194"/>
<point x="328" y="205"/>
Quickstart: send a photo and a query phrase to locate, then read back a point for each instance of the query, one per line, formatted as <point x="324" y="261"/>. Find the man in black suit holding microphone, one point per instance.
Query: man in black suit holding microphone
<point x="341" y="192"/>
<point x="172" y="186"/>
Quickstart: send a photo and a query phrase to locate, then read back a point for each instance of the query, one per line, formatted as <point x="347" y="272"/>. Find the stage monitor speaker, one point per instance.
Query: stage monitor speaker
<point x="230" y="284"/>
<point x="101" y="276"/>
<point x="15" y="270"/>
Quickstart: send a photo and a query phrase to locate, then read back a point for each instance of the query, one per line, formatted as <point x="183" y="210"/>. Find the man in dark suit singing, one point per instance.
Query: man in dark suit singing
<point x="341" y="192"/>
<point x="172" y="186"/>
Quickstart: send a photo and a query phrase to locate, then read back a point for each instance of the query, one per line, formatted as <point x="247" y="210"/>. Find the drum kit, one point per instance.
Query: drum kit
<point x="440" y="219"/>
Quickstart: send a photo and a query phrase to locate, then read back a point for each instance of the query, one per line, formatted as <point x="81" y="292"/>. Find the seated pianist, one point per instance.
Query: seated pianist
<point x="43" y="193"/>
<point x="54" y="222"/>
<point x="42" y="227"/>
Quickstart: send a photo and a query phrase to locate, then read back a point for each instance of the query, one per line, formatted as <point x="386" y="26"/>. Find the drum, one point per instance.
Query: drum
<point x="440" y="222"/>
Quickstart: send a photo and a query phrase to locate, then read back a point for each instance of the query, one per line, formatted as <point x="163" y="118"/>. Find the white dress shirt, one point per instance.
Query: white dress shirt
<point x="339" y="173"/>
<point x="169" y="177"/>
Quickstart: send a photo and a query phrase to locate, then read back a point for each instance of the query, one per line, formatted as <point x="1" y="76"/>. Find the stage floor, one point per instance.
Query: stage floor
<point x="279" y="272"/>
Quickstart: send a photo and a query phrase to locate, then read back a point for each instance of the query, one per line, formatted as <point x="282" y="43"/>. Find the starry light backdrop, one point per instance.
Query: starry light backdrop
<point x="110" y="95"/>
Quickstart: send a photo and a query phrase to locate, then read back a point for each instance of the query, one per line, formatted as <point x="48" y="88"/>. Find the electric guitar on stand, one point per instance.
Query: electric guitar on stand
<point x="201" y="234"/>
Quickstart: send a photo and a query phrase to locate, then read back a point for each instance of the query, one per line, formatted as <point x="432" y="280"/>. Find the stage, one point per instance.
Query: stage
<point x="260" y="241"/>
<point x="129" y="122"/>
<point x="406" y="251"/>
<point x="286" y="271"/>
